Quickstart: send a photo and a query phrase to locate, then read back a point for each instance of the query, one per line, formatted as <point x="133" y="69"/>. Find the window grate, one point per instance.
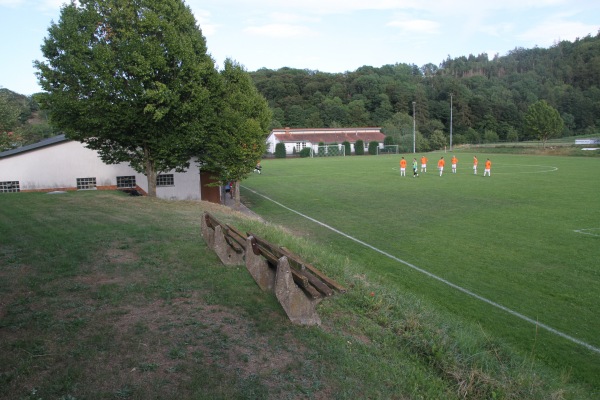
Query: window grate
<point x="10" y="187"/>
<point x="124" y="182"/>
<point x="86" y="183"/>
<point x="165" y="180"/>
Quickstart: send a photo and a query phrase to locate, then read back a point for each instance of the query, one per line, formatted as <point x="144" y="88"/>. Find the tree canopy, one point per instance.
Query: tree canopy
<point x="132" y="80"/>
<point x="543" y="121"/>
<point x="239" y="140"/>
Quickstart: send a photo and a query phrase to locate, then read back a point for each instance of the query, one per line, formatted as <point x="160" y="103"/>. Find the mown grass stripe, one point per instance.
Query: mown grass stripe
<point x="440" y="279"/>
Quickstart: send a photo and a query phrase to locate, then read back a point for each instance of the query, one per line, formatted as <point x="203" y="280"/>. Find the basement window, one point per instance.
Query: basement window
<point x="165" y="180"/>
<point x="86" y="183"/>
<point x="10" y="187"/>
<point x="125" y="182"/>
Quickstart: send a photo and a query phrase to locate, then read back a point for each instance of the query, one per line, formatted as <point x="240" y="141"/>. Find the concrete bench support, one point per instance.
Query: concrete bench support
<point x="299" y="308"/>
<point x="230" y="254"/>
<point x="207" y="232"/>
<point x="259" y="268"/>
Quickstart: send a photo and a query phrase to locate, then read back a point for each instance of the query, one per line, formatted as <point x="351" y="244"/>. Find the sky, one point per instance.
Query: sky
<point x="329" y="35"/>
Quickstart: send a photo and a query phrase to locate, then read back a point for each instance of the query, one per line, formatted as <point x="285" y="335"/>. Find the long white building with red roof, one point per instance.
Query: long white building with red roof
<point x="296" y="139"/>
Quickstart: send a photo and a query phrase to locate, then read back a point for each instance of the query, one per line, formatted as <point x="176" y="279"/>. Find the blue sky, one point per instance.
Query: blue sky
<point x="330" y="35"/>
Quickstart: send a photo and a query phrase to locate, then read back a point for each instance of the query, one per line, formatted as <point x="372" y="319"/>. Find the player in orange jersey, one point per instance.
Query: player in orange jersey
<point x="423" y="164"/>
<point x="488" y="168"/>
<point x="454" y="161"/>
<point x="475" y="161"/>
<point x="402" y="167"/>
<point x="441" y="164"/>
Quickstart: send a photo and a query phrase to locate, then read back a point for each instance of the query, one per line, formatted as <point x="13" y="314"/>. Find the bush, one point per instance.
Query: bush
<point x="388" y="141"/>
<point x="373" y="148"/>
<point x="280" y="150"/>
<point x="305" y="152"/>
<point x="359" y="147"/>
<point x="348" y="147"/>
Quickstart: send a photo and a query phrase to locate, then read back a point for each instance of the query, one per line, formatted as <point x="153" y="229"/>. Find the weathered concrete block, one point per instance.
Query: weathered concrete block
<point x="227" y="254"/>
<point x="299" y="308"/>
<point x="259" y="268"/>
<point x="207" y="233"/>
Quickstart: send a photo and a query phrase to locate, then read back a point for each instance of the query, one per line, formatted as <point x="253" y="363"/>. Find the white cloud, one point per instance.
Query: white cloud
<point x="415" y="25"/>
<point x="281" y="31"/>
<point x="550" y="32"/>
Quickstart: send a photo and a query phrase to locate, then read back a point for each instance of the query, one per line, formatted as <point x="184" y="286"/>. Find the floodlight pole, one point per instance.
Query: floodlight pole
<point x="414" y="129"/>
<point x="451" y="121"/>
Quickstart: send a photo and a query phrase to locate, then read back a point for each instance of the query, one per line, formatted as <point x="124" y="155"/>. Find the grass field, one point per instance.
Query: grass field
<point x="527" y="239"/>
<point x="107" y="296"/>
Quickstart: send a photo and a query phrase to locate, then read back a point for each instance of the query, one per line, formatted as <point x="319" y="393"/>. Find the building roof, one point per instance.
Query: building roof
<point x="43" y="143"/>
<point x="329" y="135"/>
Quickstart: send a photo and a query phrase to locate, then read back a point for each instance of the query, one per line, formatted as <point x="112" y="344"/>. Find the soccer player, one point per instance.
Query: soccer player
<point x="441" y="164"/>
<point x="454" y="161"/>
<point x="402" y="167"/>
<point x="488" y="168"/>
<point x="415" y="168"/>
<point x="475" y="161"/>
<point x="423" y="164"/>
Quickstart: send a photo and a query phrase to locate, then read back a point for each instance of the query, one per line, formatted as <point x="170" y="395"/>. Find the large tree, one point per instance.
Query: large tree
<point x="131" y="79"/>
<point x="238" y="140"/>
<point x="543" y="121"/>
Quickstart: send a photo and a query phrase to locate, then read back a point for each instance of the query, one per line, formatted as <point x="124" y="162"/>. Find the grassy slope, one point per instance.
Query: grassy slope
<point x="108" y="296"/>
<point x="510" y="238"/>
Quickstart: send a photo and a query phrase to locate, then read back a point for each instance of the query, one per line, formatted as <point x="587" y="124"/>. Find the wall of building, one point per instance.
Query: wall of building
<point x="58" y="166"/>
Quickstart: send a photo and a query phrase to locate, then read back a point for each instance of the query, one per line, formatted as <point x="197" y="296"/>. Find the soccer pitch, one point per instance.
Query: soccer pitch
<point x="517" y="252"/>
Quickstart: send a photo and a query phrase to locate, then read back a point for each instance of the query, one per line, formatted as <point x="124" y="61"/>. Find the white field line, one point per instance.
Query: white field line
<point x="583" y="231"/>
<point x="429" y="274"/>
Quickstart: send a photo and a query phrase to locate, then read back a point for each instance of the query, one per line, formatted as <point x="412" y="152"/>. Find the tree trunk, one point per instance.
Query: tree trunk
<point x="237" y="195"/>
<point x="150" y="174"/>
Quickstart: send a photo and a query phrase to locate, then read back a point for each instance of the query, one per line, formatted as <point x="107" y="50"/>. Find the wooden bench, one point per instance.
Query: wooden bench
<point x="298" y="285"/>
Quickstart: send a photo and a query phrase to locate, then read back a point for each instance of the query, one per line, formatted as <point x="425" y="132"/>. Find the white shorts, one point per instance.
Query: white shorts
<point x="454" y="166"/>
<point x="441" y="168"/>
<point x="474" y="166"/>
<point x="423" y="165"/>
<point x="402" y="169"/>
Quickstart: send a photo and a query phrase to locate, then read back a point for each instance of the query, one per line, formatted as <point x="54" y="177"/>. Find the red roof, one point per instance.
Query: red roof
<point x="329" y="135"/>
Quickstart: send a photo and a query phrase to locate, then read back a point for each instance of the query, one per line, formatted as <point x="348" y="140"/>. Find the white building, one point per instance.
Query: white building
<point x="296" y="139"/>
<point x="62" y="164"/>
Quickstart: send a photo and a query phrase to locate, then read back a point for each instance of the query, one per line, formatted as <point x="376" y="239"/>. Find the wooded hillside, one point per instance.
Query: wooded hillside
<point x="489" y="97"/>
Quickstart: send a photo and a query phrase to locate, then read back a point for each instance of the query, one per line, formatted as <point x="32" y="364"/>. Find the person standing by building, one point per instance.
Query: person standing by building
<point x="488" y="168"/>
<point x="475" y="161"/>
<point x="423" y="164"/>
<point x="454" y="161"/>
<point x="415" y="168"/>
<point x="402" y="167"/>
<point x="441" y="164"/>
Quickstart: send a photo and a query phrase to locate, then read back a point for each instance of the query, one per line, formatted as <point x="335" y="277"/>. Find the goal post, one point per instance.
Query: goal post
<point x="388" y="149"/>
<point x="328" y="150"/>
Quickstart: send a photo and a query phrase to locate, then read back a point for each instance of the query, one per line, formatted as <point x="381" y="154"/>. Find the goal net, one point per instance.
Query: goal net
<point x="329" y="150"/>
<point x="388" y="149"/>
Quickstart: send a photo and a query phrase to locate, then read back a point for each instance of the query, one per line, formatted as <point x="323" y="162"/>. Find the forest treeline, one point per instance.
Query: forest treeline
<point x="490" y="97"/>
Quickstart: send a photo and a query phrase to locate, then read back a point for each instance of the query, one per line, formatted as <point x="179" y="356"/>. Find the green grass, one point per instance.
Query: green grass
<point x="107" y="296"/>
<point x="510" y="238"/>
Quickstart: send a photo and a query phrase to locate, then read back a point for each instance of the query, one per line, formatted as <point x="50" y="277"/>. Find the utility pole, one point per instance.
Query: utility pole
<point x="451" y="121"/>
<point x="414" y="129"/>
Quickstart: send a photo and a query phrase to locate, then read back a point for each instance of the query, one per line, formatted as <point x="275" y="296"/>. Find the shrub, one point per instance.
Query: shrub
<point x="359" y="147"/>
<point x="305" y="152"/>
<point x="280" y="150"/>
<point x="348" y="149"/>
<point x="388" y="141"/>
<point x="373" y="145"/>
